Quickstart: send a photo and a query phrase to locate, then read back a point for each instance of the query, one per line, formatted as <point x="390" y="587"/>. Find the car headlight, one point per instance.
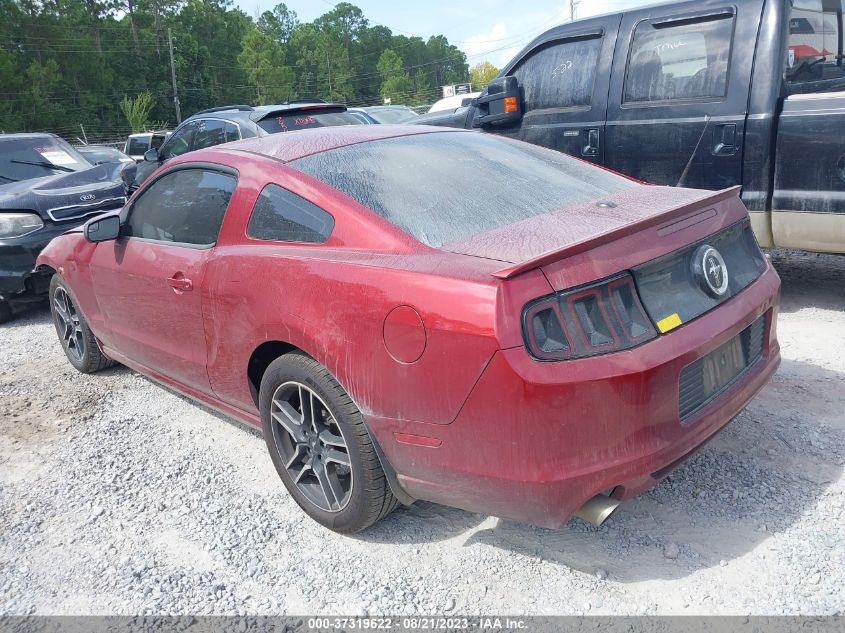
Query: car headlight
<point x="18" y="224"/>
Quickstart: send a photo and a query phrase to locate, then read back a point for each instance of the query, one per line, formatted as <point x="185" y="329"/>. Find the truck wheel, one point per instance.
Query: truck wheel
<point x="77" y="339"/>
<point x="5" y="311"/>
<point x="320" y="446"/>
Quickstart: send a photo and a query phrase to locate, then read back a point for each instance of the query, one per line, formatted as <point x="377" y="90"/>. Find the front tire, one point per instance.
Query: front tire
<point x="320" y="447"/>
<point x="77" y="339"/>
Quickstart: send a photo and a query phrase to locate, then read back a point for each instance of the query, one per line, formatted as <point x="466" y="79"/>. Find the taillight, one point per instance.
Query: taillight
<point x="598" y="319"/>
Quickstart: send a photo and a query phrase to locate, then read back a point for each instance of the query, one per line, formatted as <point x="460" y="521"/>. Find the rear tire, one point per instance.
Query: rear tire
<point x="322" y="451"/>
<point x="77" y="339"/>
<point x="5" y="311"/>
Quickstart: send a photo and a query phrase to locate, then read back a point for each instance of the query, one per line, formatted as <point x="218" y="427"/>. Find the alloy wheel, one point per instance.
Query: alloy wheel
<point x="311" y="442"/>
<point x="68" y="324"/>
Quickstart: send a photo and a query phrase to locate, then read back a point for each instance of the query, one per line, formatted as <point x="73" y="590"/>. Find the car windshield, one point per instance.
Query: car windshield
<point x="442" y="187"/>
<point x="392" y="115"/>
<point x="36" y="157"/>
<point x="283" y="122"/>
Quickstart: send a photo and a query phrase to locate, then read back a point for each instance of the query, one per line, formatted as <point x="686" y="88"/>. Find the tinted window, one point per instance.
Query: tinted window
<point x="185" y="206"/>
<point x="37" y="157"/>
<point x="815" y="41"/>
<point x="442" y="187"/>
<point x="180" y="142"/>
<point x="392" y="115"/>
<point x="679" y="61"/>
<point x="304" y="120"/>
<point x="213" y="132"/>
<point x="560" y="75"/>
<point x="137" y="145"/>
<point x="285" y="217"/>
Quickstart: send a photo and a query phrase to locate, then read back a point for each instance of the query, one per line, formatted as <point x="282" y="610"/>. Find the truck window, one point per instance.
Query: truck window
<point x="560" y="75"/>
<point x="679" y="61"/>
<point x="815" y="41"/>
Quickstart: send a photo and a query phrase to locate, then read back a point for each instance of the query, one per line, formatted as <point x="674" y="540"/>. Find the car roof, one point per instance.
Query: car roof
<point x="29" y="135"/>
<point x="256" y="113"/>
<point x="288" y="146"/>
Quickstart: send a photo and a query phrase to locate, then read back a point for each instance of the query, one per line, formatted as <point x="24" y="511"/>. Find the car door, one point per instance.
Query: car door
<point x="564" y="79"/>
<point x="210" y="132"/>
<point x="149" y="282"/>
<point x="180" y="142"/>
<point x="679" y="93"/>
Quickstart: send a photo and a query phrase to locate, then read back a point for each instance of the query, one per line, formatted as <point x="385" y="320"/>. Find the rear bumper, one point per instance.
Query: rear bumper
<point x="17" y="261"/>
<point x="534" y="440"/>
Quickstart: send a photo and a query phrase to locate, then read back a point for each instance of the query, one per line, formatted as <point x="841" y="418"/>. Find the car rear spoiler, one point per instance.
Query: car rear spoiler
<point x="618" y="233"/>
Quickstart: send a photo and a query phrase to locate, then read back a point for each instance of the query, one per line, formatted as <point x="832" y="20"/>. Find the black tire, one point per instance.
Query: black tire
<point x="5" y="311"/>
<point x="369" y="498"/>
<point x="80" y="346"/>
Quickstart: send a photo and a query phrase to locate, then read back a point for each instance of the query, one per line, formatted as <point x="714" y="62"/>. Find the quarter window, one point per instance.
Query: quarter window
<point x="282" y="216"/>
<point x="560" y="75"/>
<point x="679" y="61"/>
<point x="815" y="41"/>
<point x="184" y="207"/>
<point x="212" y="132"/>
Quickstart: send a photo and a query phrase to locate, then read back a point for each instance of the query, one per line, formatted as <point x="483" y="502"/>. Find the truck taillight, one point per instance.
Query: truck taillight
<point x="597" y="319"/>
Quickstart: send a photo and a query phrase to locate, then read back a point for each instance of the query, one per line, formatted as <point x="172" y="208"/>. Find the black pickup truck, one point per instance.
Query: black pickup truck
<point x="706" y="94"/>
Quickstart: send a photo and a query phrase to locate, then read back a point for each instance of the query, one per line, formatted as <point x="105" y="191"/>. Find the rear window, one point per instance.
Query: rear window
<point x="302" y="120"/>
<point x="442" y="187"/>
<point x="137" y="145"/>
<point x="397" y="115"/>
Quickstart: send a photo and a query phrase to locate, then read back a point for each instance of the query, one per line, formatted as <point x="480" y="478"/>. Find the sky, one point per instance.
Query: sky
<point x="486" y="30"/>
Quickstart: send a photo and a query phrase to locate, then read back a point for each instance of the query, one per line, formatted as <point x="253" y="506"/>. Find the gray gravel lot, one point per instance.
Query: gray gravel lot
<point x="120" y="497"/>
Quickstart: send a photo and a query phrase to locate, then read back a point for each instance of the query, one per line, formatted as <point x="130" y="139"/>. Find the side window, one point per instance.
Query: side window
<point x="233" y="133"/>
<point x="282" y="216"/>
<point x="679" y="61"/>
<point x="209" y="132"/>
<point x="560" y="75"/>
<point x="184" y="207"/>
<point x="815" y="41"/>
<point x="179" y="142"/>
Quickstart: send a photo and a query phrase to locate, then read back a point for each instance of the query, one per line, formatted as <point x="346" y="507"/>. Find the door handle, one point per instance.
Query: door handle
<point x="724" y="140"/>
<point x="592" y="146"/>
<point x="180" y="283"/>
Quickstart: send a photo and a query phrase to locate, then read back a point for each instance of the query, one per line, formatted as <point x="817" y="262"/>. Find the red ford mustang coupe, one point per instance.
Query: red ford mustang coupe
<point x="420" y="313"/>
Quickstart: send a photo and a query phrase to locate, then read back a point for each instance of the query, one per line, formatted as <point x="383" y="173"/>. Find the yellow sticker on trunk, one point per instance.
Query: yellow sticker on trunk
<point x="669" y="323"/>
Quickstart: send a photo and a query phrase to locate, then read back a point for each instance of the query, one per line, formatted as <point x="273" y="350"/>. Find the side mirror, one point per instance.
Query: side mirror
<point x="500" y="104"/>
<point x="151" y="155"/>
<point x="102" y="229"/>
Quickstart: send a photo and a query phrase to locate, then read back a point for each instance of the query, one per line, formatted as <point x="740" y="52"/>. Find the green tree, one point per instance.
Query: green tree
<point x="262" y="58"/>
<point x="137" y="112"/>
<point x="482" y="74"/>
<point x="395" y="83"/>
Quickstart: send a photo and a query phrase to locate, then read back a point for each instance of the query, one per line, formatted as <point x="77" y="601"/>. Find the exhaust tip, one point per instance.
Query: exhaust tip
<point x="597" y="510"/>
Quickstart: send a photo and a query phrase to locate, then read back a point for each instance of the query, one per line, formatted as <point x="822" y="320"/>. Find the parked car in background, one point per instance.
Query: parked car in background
<point x="413" y="313"/>
<point x="138" y="144"/>
<point x="702" y="94"/>
<point x="99" y="154"/>
<point x="451" y="104"/>
<point x="387" y="114"/>
<point x="231" y="123"/>
<point x="46" y="188"/>
<point x="362" y="115"/>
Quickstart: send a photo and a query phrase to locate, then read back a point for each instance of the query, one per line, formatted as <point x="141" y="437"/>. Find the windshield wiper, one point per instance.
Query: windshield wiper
<point x="9" y="179"/>
<point x="44" y="164"/>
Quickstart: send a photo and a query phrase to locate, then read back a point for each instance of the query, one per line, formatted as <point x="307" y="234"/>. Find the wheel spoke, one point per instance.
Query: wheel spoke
<point x="299" y="452"/>
<point x="338" y="457"/>
<point x="330" y="439"/>
<point x="331" y="488"/>
<point x="60" y="309"/>
<point x="306" y="467"/>
<point x="288" y="418"/>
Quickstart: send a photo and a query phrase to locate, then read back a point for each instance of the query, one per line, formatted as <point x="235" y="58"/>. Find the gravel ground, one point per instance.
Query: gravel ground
<point x="120" y="497"/>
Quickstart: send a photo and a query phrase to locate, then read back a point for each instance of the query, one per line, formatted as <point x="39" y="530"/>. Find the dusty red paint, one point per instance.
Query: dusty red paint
<point x="462" y="412"/>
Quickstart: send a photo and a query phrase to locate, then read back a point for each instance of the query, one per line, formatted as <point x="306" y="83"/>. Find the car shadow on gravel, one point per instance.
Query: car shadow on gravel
<point x="28" y="314"/>
<point x="765" y="472"/>
<point x="810" y="280"/>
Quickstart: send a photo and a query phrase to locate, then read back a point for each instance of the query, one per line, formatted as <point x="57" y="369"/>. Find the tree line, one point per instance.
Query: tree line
<point x="66" y="65"/>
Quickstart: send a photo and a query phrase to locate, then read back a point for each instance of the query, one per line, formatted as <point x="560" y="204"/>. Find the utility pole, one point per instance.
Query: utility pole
<point x="329" y="66"/>
<point x="573" y="6"/>
<point x="173" y="76"/>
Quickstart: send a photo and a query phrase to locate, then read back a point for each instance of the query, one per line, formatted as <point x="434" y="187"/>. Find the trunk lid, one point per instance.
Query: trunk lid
<point x="598" y="238"/>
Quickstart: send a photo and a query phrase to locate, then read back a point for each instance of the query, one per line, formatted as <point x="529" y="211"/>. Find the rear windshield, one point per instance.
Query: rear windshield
<point x="282" y="122"/>
<point x="446" y="186"/>
<point x="137" y="145"/>
<point x="26" y="158"/>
